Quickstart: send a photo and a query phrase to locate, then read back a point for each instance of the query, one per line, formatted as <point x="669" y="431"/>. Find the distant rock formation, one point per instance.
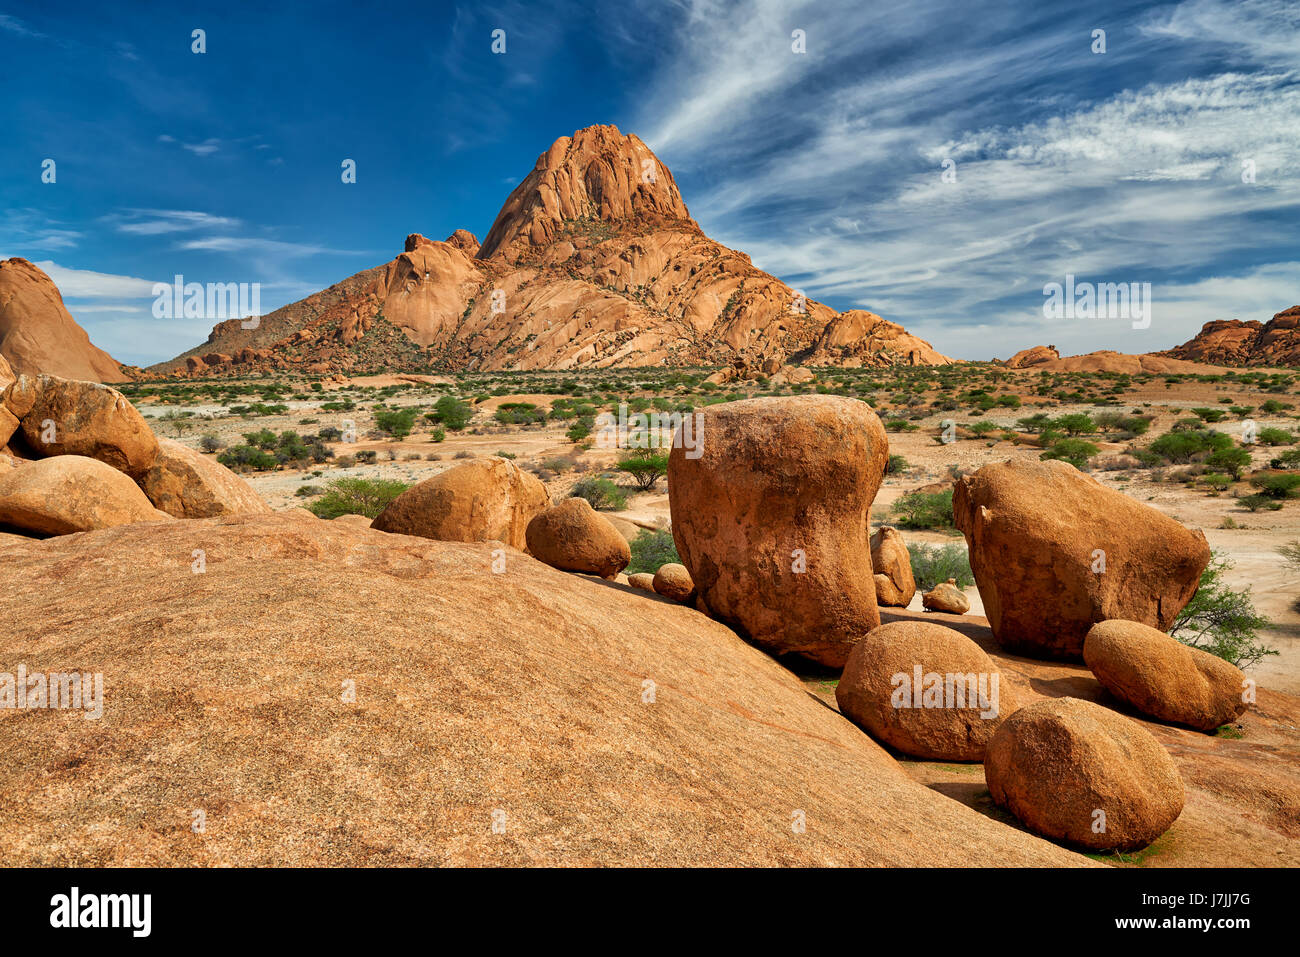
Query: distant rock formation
<point x="1231" y="342"/>
<point x="38" y="335"/>
<point x="593" y="261"/>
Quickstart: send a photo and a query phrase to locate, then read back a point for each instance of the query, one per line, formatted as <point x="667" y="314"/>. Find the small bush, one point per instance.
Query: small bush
<point x="357" y="496"/>
<point x="1222" y="621"/>
<point x="395" y="422"/>
<point x="1075" y="451"/>
<point x="1280" y="485"/>
<point x="652" y="549"/>
<point x="600" y="492"/>
<point x="896" y="465"/>
<point x="646" y="466"/>
<point x="934" y="564"/>
<point x="210" y="443"/>
<point x="924" y="510"/>
<point x="1256" y="502"/>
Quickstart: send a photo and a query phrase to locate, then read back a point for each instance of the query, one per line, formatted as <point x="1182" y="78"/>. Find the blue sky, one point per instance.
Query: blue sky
<point x="825" y="166"/>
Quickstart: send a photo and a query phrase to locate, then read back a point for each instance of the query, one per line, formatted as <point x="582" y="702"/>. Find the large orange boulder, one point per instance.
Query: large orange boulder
<point x="488" y="499"/>
<point x="574" y="537"/>
<point x="892" y="565"/>
<point x="71" y="417"/>
<point x="1077" y="772"/>
<point x="1162" y="677"/>
<point x="769" y="514"/>
<point x="1054" y="552"/>
<point x="71" y="493"/>
<point x="185" y="483"/>
<point x="927" y="690"/>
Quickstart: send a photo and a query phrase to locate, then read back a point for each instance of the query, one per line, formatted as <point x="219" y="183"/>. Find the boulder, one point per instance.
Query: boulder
<point x="769" y="515"/>
<point x="642" y="580"/>
<point x="360" y="521"/>
<point x="573" y="537"/>
<point x="1162" y="677"/>
<point x="946" y="596"/>
<point x="489" y="499"/>
<point x="927" y="690"/>
<point x="71" y="493"/>
<point x="674" y="581"/>
<point x="186" y="484"/>
<point x="70" y="417"/>
<point x="1074" y="771"/>
<point x="7" y="374"/>
<point x="1054" y="552"/>
<point x="892" y="566"/>
<point x="625" y="528"/>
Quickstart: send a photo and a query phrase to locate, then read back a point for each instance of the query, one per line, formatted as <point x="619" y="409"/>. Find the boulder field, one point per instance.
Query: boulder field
<point x="593" y="726"/>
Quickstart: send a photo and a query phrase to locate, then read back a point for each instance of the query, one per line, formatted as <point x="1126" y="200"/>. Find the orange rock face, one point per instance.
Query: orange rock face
<point x="1074" y="771"/>
<point x="1055" y="552"/>
<point x="771" y="520"/>
<point x="1231" y="342"/>
<point x="593" y="260"/>
<point x="1162" y="677"/>
<point x="37" y="334"/>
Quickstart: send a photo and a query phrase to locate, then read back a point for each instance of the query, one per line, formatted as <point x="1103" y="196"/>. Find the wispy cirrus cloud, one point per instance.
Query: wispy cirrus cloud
<point x="1152" y="162"/>
<point x="154" y="222"/>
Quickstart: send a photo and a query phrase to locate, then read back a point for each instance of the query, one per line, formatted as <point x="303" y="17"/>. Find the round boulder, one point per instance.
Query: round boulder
<point x="489" y="499"/>
<point x="573" y="537"/>
<point x="1162" y="677"/>
<point x="1054" y="552"/>
<point x="674" y="581"/>
<point x="186" y="484"/>
<point x="71" y="493"/>
<point x="927" y="690"/>
<point x="946" y="596"/>
<point x="1074" y="771"/>
<point x="892" y="565"/>
<point x="642" y="580"/>
<point x="769" y="506"/>
<point x="69" y="417"/>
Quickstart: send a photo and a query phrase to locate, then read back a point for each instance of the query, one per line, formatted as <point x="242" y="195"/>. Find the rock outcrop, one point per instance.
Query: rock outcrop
<point x="1074" y="771"/>
<point x="1054" y="552"/>
<point x="489" y="499"/>
<point x="513" y="700"/>
<point x="672" y="580"/>
<point x="1231" y="342"/>
<point x="770" y="518"/>
<point x="1162" y="677"/>
<point x="946" y="597"/>
<point x="38" y="335"/>
<point x="593" y="260"/>
<point x="924" y="689"/>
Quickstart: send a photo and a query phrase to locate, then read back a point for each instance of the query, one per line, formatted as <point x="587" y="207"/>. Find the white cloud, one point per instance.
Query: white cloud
<point x="86" y="284"/>
<point x="153" y="222"/>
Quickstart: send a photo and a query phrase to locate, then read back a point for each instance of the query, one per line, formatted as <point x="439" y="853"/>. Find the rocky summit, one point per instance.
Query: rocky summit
<point x="593" y="260"/>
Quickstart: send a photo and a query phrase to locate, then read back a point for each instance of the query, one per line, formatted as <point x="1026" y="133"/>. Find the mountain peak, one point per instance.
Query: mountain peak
<point x="597" y="173"/>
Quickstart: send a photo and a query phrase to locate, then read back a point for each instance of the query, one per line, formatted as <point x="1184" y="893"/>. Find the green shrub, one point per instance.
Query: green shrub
<point x="600" y="492"/>
<point x="924" y="510"/>
<point x="1220" y="620"/>
<point x="652" y="549"/>
<point x="1256" y="502"/>
<point x="357" y="496"/>
<point x="240" y="458"/>
<point x="1181" y="446"/>
<point x="1279" y="485"/>
<point x="934" y="564"/>
<point x="896" y="465"/>
<point x="451" y="412"/>
<point x="1077" y="423"/>
<point x="262" y="439"/>
<point x="395" y="422"/>
<point x="1274" y="436"/>
<point x="1232" y="460"/>
<point x="1075" y="451"/>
